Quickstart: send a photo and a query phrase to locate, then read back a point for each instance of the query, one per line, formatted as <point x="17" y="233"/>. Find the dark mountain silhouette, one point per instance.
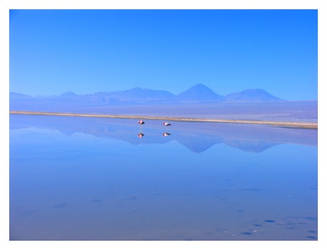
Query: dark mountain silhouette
<point x="251" y="95"/>
<point x="197" y="101"/>
<point x="69" y="94"/>
<point x="137" y="95"/>
<point x="17" y="96"/>
<point x="199" y="92"/>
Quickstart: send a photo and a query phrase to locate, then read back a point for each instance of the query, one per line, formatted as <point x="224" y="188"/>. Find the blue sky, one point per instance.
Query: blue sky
<point x="54" y="51"/>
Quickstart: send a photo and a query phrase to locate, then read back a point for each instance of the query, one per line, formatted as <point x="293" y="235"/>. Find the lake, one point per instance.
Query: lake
<point x="74" y="178"/>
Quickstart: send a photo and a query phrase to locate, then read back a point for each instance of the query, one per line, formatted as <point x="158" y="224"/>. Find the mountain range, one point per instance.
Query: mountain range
<point x="196" y="94"/>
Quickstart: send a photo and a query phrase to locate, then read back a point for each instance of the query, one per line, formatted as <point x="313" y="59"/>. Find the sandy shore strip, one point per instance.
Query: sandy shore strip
<point x="310" y="125"/>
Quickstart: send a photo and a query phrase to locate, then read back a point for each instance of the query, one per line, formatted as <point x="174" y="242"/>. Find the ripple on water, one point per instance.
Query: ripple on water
<point x="310" y="218"/>
<point x="246" y="233"/>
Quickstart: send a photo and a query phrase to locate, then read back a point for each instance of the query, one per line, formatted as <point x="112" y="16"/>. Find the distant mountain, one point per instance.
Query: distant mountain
<point x="139" y="95"/>
<point x="199" y="92"/>
<point x="18" y="95"/>
<point x="251" y="95"/>
<point x="69" y="94"/>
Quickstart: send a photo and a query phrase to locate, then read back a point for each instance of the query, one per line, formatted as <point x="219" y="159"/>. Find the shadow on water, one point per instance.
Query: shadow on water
<point x="197" y="137"/>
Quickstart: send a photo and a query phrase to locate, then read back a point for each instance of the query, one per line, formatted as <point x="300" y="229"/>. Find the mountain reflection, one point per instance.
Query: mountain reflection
<point x="197" y="137"/>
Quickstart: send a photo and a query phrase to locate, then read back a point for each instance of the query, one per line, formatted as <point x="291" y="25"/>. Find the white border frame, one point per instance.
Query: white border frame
<point x="5" y="5"/>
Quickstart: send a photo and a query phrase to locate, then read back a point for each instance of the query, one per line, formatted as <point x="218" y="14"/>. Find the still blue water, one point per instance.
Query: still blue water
<point x="94" y="179"/>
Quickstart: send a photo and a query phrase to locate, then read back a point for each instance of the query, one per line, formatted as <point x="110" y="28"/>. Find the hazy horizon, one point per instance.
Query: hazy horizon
<point x="160" y="89"/>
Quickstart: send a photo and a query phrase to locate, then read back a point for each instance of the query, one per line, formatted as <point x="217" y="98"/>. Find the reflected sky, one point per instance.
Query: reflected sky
<point x="197" y="136"/>
<point x="96" y="179"/>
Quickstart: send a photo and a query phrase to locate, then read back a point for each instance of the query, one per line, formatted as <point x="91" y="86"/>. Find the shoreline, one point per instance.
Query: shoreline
<point x="307" y="125"/>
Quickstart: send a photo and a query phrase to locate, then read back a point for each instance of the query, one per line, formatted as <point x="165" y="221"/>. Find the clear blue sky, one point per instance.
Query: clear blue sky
<point x="54" y="51"/>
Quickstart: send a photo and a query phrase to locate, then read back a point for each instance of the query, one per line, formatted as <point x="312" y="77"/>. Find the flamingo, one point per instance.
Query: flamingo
<point x="165" y="134"/>
<point x="140" y="135"/>
<point x="141" y="122"/>
<point x="166" y="124"/>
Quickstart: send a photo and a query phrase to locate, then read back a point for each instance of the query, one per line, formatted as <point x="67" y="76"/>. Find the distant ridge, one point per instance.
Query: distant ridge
<point x="18" y="95"/>
<point x="140" y="95"/>
<point x="251" y="95"/>
<point x="198" y="93"/>
<point x="198" y="101"/>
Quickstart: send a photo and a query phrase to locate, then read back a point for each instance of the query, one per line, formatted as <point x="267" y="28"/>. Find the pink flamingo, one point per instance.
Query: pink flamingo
<point x="166" y="124"/>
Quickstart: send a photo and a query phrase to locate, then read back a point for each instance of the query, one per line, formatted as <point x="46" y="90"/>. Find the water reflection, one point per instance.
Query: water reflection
<point x="140" y="135"/>
<point x="78" y="179"/>
<point x="197" y="137"/>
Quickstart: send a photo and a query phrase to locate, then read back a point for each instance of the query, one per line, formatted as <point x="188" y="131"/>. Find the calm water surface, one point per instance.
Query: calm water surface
<point x="94" y="179"/>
